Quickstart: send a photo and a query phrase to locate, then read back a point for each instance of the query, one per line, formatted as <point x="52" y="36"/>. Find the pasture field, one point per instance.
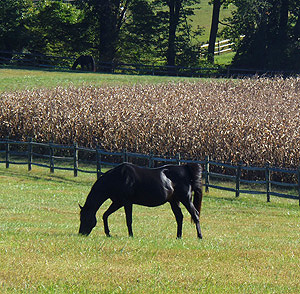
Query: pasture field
<point x="249" y="246"/>
<point x="26" y="79"/>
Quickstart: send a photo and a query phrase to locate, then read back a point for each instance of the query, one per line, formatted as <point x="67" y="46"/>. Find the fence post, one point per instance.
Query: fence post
<point x="7" y="149"/>
<point x="51" y="151"/>
<point x="98" y="159"/>
<point x="206" y="166"/>
<point x="150" y="159"/>
<point x="268" y="184"/>
<point x="125" y="157"/>
<point x="29" y="151"/>
<point x="238" y="177"/>
<point x="75" y="156"/>
<point x="178" y="158"/>
<point x="298" y="175"/>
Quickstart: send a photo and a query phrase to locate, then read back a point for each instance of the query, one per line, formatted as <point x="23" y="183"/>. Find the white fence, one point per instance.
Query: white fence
<point x="221" y="46"/>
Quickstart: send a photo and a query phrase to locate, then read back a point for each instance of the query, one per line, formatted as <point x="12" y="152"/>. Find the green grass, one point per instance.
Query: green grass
<point x="20" y="79"/>
<point x="249" y="246"/>
<point x="224" y="59"/>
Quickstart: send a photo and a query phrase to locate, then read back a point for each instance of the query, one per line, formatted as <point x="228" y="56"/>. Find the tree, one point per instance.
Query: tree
<point x="56" y="28"/>
<point x="13" y="18"/>
<point x="175" y="7"/>
<point x="270" y="29"/>
<point x="214" y="29"/>
<point x="179" y="33"/>
<point x="106" y="17"/>
<point x="139" y="35"/>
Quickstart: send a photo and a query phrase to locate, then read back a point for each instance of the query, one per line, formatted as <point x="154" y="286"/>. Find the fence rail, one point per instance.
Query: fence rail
<point x="221" y="46"/>
<point x="76" y="159"/>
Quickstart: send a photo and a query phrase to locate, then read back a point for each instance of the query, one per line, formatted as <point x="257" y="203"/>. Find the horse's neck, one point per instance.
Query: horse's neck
<point x="95" y="199"/>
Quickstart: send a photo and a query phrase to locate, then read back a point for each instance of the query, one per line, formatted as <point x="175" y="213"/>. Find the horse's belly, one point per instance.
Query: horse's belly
<point x="149" y="200"/>
<point x="153" y="194"/>
<point x="150" y="204"/>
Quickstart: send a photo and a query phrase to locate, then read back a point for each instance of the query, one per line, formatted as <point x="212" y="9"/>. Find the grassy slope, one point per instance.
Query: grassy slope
<point x="203" y="15"/>
<point x="19" y="79"/>
<point x="249" y="246"/>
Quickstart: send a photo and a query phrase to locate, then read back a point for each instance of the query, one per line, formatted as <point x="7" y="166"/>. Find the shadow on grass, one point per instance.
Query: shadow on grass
<point x="33" y="176"/>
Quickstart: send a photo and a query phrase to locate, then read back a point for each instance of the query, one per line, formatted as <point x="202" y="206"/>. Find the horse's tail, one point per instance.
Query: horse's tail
<point x="196" y="179"/>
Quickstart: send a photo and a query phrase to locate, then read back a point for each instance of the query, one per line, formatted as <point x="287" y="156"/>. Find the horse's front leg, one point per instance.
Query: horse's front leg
<point x="128" y="213"/>
<point x="178" y="215"/>
<point x="112" y="208"/>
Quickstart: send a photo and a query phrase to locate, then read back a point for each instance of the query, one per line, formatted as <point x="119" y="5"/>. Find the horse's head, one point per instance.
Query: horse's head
<point x="87" y="221"/>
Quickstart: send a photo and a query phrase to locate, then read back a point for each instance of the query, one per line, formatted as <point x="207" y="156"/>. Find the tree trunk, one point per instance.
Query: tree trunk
<point x="214" y="30"/>
<point x="174" y="12"/>
<point x="108" y="33"/>
<point x="283" y="20"/>
<point x="111" y="15"/>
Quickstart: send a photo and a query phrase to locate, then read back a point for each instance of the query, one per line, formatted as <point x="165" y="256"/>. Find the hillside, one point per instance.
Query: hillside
<point x="203" y="15"/>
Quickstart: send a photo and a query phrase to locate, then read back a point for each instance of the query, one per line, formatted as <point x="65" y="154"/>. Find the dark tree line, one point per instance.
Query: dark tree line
<point x="156" y="31"/>
<point x="111" y="30"/>
<point x="271" y="30"/>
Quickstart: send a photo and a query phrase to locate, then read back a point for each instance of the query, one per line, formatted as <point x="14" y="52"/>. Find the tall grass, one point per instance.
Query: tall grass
<point x="253" y="120"/>
<point x="249" y="246"/>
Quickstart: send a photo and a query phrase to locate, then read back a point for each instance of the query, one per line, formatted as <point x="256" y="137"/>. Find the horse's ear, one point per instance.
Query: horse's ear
<point x="80" y="206"/>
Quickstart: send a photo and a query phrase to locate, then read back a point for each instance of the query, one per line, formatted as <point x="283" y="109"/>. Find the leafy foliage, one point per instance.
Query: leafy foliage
<point x="13" y="17"/>
<point x="139" y="34"/>
<point x="56" y="28"/>
<point x="271" y="30"/>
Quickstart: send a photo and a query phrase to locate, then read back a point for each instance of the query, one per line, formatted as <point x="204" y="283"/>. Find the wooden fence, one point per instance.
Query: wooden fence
<point x="223" y="46"/>
<point x="88" y="160"/>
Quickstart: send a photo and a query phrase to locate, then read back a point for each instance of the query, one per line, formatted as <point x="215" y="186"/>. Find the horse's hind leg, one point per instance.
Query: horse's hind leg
<point x="194" y="214"/>
<point x="113" y="207"/>
<point x="128" y="213"/>
<point x="178" y="215"/>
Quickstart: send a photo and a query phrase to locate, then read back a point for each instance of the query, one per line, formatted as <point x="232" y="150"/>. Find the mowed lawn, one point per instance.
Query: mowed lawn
<point x="249" y="246"/>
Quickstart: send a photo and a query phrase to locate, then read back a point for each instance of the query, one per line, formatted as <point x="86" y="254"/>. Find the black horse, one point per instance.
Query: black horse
<point x="86" y="62"/>
<point x="128" y="184"/>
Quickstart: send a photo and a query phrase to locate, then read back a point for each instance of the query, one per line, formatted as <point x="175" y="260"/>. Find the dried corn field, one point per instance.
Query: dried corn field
<point x="252" y="120"/>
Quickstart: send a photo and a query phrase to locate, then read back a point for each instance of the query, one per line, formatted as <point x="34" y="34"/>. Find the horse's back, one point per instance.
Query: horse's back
<point x="146" y="186"/>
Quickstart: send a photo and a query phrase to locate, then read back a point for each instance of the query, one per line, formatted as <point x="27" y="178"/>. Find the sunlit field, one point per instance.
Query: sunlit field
<point x="249" y="246"/>
<point x="25" y="79"/>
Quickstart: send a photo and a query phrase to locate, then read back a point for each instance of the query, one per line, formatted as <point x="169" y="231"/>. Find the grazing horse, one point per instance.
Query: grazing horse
<point x="86" y="62"/>
<point x="128" y="184"/>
